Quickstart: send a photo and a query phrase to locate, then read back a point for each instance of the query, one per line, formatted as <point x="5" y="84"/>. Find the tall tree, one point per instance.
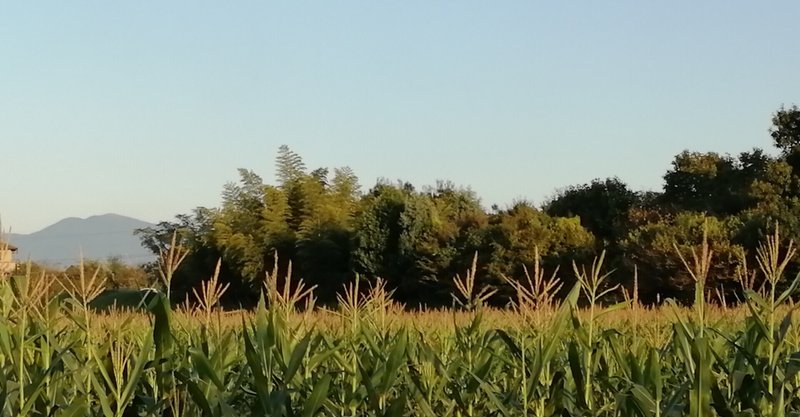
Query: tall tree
<point x="195" y="234"/>
<point x="516" y="235"/>
<point x="703" y="182"/>
<point x="651" y="247"/>
<point x="393" y="231"/>
<point x="601" y="205"/>
<point x="239" y="228"/>
<point x="418" y="241"/>
<point x="785" y="130"/>
<point x="325" y="230"/>
<point x="289" y="166"/>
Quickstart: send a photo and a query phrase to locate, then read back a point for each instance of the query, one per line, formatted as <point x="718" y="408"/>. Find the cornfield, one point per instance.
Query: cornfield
<point x="369" y="357"/>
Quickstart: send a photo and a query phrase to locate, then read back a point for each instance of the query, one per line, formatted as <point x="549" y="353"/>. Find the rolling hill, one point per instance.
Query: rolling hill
<point x="97" y="237"/>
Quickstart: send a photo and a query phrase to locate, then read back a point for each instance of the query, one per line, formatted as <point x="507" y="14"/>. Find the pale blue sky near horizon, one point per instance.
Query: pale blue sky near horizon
<point x="147" y="108"/>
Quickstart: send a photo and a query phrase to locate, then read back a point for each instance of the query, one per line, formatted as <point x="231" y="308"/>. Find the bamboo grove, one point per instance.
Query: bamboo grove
<point x="544" y="356"/>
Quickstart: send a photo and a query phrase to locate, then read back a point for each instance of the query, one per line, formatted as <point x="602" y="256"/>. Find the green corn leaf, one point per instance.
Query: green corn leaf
<point x="700" y="394"/>
<point x="490" y="394"/>
<point x="78" y="407"/>
<point x="162" y="335"/>
<point x="102" y="397"/>
<point x="622" y="364"/>
<point x="314" y="402"/>
<point x="789" y="291"/>
<point x="577" y="373"/>
<point x="37" y="387"/>
<point x="720" y="404"/>
<point x="560" y="321"/>
<point x="756" y="299"/>
<point x="197" y="394"/>
<point x="297" y="356"/>
<point x="102" y="368"/>
<point x="643" y="400"/>
<point x="256" y="368"/>
<point x="136" y="373"/>
<point x="482" y="369"/>
<point x="509" y="342"/>
<point x="204" y="368"/>
<point x="616" y="307"/>
<point x="420" y="402"/>
<point x="654" y="372"/>
<point x="756" y="319"/>
<point x="786" y="324"/>
<point x="635" y="369"/>
<point x="793" y="365"/>
<point x="395" y="361"/>
<point x="397" y="407"/>
<point x="369" y="385"/>
<point x="674" y="406"/>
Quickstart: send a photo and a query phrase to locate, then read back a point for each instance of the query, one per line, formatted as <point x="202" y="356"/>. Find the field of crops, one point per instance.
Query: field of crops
<point x="370" y="358"/>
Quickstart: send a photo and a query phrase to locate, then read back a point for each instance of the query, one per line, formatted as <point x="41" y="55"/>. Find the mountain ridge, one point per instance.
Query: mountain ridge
<point x="97" y="237"/>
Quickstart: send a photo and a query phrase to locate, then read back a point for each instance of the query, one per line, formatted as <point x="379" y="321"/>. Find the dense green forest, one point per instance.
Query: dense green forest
<point x="329" y="231"/>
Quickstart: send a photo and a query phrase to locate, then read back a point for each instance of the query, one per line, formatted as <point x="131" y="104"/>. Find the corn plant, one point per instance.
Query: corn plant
<point x="370" y="357"/>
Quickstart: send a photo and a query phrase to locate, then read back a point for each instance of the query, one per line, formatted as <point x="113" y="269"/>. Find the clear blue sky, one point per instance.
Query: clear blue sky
<point x="147" y="108"/>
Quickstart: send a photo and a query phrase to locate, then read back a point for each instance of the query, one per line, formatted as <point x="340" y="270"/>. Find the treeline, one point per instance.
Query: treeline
<point x="114" y="272"/>
<point x="329" y="230"/>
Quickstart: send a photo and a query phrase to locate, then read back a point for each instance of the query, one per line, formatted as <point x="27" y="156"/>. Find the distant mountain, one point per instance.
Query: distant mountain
<point x="98" y="237"/>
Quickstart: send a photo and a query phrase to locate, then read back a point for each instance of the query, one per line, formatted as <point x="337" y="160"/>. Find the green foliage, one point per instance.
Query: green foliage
<point x="306" y="218"/>
<point x="602" y="207"/>
<point x="704" y="182"/>
<point x="785" y="130"/>
<point x="289" y="166"/>
<point x="396" y="238"/>
<point x="193" y="232"/>
<point x="656" y="249"/>
<point x="517" y="236"/>
<point x="417" y="241"/>
<point x="58" y="358"/>
<point x="712" y="183"/>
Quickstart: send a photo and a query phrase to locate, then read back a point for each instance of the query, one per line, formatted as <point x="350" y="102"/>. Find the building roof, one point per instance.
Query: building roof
<point x="7" y="246"/>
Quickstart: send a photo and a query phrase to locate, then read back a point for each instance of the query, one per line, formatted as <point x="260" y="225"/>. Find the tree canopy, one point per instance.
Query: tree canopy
<point x="329" y="231"/>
